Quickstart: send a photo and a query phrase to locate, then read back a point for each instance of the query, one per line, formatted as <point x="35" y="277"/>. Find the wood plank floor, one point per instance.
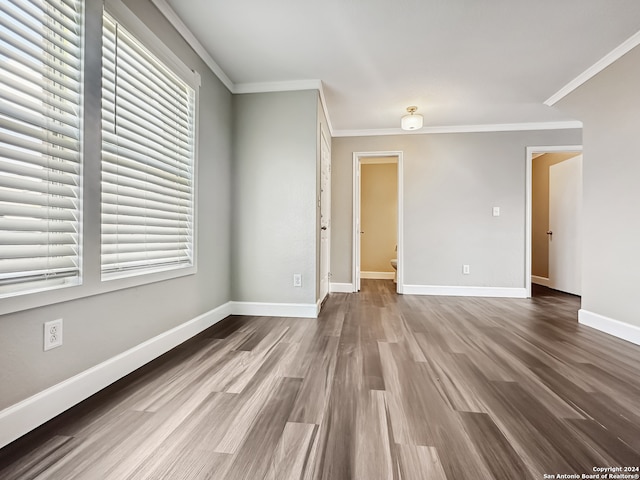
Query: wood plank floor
<point x="381" y="386"/>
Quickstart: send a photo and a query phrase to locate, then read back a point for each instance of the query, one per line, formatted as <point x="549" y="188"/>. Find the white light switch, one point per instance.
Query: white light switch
<point x="496" y="211"/>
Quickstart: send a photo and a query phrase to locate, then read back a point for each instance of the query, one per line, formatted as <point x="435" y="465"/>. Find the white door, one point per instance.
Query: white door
<point x="357" y="234"/>
<point x="325" y="215"/>
<point x="565" y="209"/>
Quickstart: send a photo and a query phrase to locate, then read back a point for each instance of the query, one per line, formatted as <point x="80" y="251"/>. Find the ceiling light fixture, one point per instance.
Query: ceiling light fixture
<point x="413" y="121"/>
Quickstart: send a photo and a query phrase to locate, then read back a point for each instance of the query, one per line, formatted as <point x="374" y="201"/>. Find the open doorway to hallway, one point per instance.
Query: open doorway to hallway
<point x="555" y="189"/>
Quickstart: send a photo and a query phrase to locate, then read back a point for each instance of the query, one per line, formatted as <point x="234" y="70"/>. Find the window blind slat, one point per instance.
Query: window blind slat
<point x="134" y="247"/>
<point x="138" y="66"/>
<point x="148" y="264"/>
<point x="25" y="170"/>
<point x="149" y="155"/>
<point x="32" y="29"/>
<point x="150" y="198"/>
<point x="37" y="116"/>
<point x="40" y="103"/>
<point x="24" y="108"/>
<point x="35" y="185"/>
<point x="36" y="133"/>
<point x="19" y="267"/>
<point x="119" y="219"/>
<point x="140" y="108"/>
<point x="36" y="85"/>
<point x="135" y="137"/>
<point x="37" y="60"/>
<point x="29" y="251"/>
<point x="19" y="151"/>
<point x="144" y="230"/>
<point x="142" y="210"/>
<point x="129" y="169"/>
<point x="65" y="12"/>
<point x="143" y="257"/>
<point x="30" y="238"/>
<point x="38" y="212"/>
<point x="148" y="86"/>
<point x="36" y="225"/>
<point x="125" y="239"/>
<point x="151" y="130"/>
<point x="127" y="180"/>
<point x="119" y="163"/>
<point x="37" y="198"/>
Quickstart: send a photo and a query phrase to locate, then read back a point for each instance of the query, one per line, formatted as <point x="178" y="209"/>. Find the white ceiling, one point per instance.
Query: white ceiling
<point x="462" y="62"/>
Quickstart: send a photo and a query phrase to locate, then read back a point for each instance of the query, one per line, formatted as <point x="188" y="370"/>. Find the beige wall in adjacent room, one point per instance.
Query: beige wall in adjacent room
<point x="540" y="210"/>
<point x="378" y="216"/>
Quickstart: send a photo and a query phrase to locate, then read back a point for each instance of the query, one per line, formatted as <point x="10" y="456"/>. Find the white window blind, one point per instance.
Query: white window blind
<point x="40" y="97"/>
<point x="148" y="116"/>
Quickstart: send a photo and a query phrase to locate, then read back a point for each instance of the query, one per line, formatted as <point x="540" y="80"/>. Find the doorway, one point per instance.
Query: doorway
<point x="377" y="231"/>
<point x="554" y="206"/>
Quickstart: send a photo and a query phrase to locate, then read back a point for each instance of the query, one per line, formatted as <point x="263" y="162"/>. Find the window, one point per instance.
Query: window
<point x="148" y="155"/>
<point x="40" y="152"/>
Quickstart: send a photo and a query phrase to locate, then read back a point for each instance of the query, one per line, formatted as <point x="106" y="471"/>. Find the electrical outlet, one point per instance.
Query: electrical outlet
<point x="52" y="334"/>
<point x="496" y="211"/>
<point x="466" y="270"/>
<point x="297" y="280"/>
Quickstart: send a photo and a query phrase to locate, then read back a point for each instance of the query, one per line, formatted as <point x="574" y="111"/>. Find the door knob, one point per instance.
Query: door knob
<point x="549" y="232"/>
<point x="323" y="228"/>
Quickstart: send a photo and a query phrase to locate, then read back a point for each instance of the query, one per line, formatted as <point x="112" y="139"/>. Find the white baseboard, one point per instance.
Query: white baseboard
<point x="341" y="287"/>
<point x="378" y="275"/>
<point x="32" y="412"/>
<point x="544" y="281"/>
<point x="260" y="309"/>
<point x="625" y="331"/>
<point x="504" y="292"/>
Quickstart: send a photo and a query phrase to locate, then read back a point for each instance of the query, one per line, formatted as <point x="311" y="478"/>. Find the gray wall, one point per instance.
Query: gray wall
<point x="451" y="183"/>
<point x="274" y="196"/>
<point x="99" y="327"/>
<point x="609" y="107"/>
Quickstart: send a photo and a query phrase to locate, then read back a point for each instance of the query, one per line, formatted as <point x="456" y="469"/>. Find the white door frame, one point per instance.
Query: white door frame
<point x="529" y="205"/>
<point x="355" y="271"/>
<point x="326" y="144"/>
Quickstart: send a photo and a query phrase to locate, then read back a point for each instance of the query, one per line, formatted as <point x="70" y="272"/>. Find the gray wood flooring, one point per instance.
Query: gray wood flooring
<point x="380" y="386"/>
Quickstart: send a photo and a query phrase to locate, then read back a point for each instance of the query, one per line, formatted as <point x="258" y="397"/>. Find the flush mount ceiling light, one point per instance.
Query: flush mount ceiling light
<point x="413" y="121"/>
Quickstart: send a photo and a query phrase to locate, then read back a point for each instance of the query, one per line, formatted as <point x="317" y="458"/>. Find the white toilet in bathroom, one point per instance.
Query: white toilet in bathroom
<point x="394" y="264"/>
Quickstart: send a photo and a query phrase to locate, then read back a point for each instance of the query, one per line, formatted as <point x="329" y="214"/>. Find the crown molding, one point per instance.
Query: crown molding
<point x="315" y="84"/>
<point x="293" y="85"/>
<point x="237" y="88"/>
<point x="263" y="87"/>
<point x="290" y="85"/>
<point x="497" y="127"/>
<point x="594" y="69"/>
<point x="193" y="42"/>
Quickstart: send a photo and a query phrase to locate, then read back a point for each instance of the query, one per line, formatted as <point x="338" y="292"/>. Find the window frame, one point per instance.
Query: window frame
<point x="148" y="40"/>
<point x="46" y="285"/>
<point x="90" y="179"/>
